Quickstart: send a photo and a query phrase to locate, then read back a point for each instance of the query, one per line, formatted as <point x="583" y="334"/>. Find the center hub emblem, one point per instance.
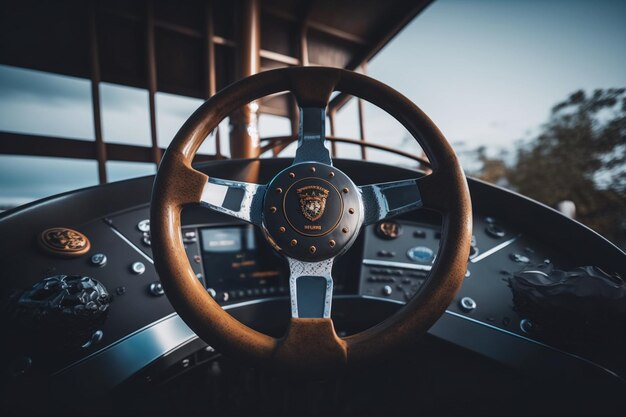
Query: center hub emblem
<point x="311" y="212"/>
<point x="312" y="201"/>
<point x="312" y="206"/>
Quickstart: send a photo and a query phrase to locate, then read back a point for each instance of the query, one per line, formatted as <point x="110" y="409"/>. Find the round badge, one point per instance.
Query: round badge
<point x="64" y="241"/>
<point x="311" y="212"/>
<point x="313" y="206"/>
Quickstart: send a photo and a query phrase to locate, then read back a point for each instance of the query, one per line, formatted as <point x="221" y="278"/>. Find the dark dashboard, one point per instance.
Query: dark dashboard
<point x="143" y="339"/>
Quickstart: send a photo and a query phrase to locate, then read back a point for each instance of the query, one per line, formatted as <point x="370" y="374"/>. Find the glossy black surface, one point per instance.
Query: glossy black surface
<point x="519" y="228"/>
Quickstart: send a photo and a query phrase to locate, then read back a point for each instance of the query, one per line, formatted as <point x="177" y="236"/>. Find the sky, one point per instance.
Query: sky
<point x="487" y="72"/>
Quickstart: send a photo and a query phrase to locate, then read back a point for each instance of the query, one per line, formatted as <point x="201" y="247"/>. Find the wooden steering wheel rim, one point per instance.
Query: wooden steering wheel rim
<point x="177" y="184"/>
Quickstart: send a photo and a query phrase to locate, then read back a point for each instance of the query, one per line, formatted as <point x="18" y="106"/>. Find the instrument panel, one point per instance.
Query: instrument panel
<point x="384" y="269"/>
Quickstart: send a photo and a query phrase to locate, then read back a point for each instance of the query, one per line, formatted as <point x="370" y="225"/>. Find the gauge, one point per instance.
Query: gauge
<point x="421" y="254"/>
<point x="388" y="230"/>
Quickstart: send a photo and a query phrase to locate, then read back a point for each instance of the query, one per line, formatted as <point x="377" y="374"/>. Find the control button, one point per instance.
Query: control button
<point x="490" y="220"/>
<point x="520" y="259"/>
<point x="420" y="234"/>
<point x="199" y="276"/>
<point x="146" y="239"/>
<point x="121" y="290"/>
<point x="388" y="230"/>
<point x="99" y="260"/>
<point x="467" y="304"/>
<point x="211" y="292"/>
<point x="468" y="273"/>
<point x="421" y="254"/>
<point x="144" y="225"/>
<point x="387" y="290"/>
<point x="190" y="237"/>
<point x="225" y="296"/>
<point x="473" y="248"/>
<point x="526" y="326"/>
<point x="385" y="254"/>
<point x="138" y="268"/>
<point x="156" y="289"/>
<point x="95" y="338"/>
<point x="495" y="232"/>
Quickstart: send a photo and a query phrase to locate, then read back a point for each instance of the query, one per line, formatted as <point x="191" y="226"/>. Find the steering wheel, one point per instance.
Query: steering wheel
<point x="310" y="213"/>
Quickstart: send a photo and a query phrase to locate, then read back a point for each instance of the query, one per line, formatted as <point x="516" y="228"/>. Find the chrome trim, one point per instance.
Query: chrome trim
<point x="377" y="205"/>
<point x="392" y="264"/>
<point x="250" y="207"/>
<point x="388" y="300"/>
<point x="537" y="343"/>
<point x="131" y="244"/>
<point x="534" y="272"/>
<point x="119" y="361"/>
<point x="322" y="269"/>
<point x="494" y="249"/>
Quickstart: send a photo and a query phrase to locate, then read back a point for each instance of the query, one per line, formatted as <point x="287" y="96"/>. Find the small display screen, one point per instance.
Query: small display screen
<point x="240" y="264"/>
<point x="220" y="240"/>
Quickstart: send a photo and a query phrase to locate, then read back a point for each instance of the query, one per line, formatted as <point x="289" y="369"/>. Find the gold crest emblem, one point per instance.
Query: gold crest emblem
<point x="64" y="241"/>
<point x="312" y="201"/>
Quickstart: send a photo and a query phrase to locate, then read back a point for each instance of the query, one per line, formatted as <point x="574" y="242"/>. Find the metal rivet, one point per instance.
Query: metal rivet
<point x="345" y="190"/>
<point x="272" y="209"/>
<point x="345" y="230"/>
<point x="312" y="249"/>
<point x="351" y="210"/>
<point x="332" y="243"/>
<point x="292" y="175"/>
<point x="294" y="242"/>
<point x="282" y="229"/>
<point x="331" y="174"/>
<point x="279" y="190"/>
<point x="312" y="169"/>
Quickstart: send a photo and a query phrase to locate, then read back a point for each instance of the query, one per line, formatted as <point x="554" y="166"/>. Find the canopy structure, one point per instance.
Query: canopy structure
<point x="191" y="48"/>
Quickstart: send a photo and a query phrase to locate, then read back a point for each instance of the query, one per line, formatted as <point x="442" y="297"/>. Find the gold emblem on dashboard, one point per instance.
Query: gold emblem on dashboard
<point x="312" y="201"/>
<point x="64" y="241"/>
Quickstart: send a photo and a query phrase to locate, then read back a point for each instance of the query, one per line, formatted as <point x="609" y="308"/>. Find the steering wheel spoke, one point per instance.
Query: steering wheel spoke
<point x="311" y="137"/>
<point x="311" y="288"/>
<point x="241" y="200"/>
<point x="389" y="199"/>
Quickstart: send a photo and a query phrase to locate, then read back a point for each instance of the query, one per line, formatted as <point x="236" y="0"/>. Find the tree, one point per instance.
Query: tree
<point x="580" y="155"/>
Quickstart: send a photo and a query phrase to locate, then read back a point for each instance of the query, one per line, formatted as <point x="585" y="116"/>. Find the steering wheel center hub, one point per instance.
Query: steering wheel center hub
<point x="313" y="206"/>
<point x="312" y="211"/>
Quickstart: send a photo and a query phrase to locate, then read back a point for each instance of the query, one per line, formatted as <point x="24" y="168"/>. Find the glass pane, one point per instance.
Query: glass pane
<point x="172" y="112"/>
<point x="39" y="103"/>
<point x="27" y="178"/>
<point x="125" y="115"/>
<point x="122" y="170"/>
<point x="272" y="126"/>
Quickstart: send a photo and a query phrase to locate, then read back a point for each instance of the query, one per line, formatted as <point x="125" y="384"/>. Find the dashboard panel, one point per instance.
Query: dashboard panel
<point x="385" y="268"/>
